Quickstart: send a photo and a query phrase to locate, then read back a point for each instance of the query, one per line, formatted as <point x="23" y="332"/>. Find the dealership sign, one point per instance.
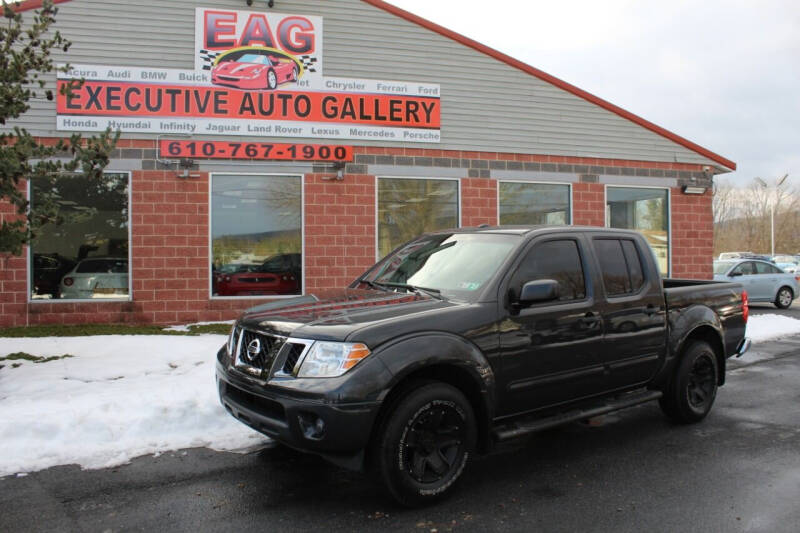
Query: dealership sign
<point x="256" y="74"/>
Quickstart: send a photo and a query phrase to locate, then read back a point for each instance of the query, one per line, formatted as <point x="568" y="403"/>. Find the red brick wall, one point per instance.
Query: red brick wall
<point x="692" y="235"/>
<point x="588" y="204"/>
<point x="13" y="284"/>
<point x="478" y="202"/>
<point x="170" y="244"/>
<point x="339" y="229"/>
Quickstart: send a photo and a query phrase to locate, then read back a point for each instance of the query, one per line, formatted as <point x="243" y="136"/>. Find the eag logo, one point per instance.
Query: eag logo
<point x="293" y="34"/>
<point x="264" y="50"/>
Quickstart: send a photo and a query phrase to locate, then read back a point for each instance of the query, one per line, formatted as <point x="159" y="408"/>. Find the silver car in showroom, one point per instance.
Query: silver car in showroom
<point x="763" y="281"/>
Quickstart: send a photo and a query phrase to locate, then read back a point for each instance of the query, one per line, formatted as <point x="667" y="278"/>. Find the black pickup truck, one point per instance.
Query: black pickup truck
<point x="463" y="338"/>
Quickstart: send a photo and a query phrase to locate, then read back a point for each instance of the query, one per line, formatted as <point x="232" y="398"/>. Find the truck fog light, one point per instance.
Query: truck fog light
<point x="311" y="425"/>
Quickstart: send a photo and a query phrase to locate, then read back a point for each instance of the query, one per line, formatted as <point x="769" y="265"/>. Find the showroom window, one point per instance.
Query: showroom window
<point x="533" y="203"/>
<point x="83" y="255"/>
<point x="256" y="235"/>
<point x="408" y="207"/>
<point x="645" y="210"/>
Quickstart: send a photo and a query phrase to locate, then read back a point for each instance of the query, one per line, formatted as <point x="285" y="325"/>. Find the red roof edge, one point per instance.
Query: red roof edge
<point x="27" y="5"/>
<point x="394" y="10"/>
<point x="466" y="41"/>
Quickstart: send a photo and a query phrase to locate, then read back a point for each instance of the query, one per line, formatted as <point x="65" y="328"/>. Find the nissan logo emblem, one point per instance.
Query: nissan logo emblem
<point x="253" y="350"/>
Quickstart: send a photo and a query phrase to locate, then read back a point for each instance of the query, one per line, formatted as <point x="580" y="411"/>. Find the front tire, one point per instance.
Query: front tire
<point x="693" y="388"/>
<point x="272" y="80"/>
<point x="424" y="442"/>
<point x="784" y="298"/>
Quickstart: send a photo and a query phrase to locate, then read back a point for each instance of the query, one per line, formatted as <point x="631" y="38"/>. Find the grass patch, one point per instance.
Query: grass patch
<point x="22" y="356"/>
<point x="87" y="330"/>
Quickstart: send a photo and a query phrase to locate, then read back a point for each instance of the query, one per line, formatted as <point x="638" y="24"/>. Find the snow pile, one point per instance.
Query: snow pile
<point x="187" y="327"/>
<point x="769" y="327"/>
<point x="119" y="397"/>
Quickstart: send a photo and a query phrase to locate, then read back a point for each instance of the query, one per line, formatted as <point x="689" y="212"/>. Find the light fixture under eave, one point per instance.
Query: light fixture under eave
<point x="692" y="189"/>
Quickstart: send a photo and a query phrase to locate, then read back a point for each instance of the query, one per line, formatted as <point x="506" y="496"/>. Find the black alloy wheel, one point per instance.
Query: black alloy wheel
<point x="702" y="381"/>
<point x="691" y="392"/>
<point x="423" y="442"/>
<point x="434" y="442"/>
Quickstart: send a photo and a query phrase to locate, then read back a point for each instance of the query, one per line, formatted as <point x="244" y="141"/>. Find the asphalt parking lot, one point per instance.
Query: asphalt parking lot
<point x="631" y="471"/>
<point x="769" y="309"/>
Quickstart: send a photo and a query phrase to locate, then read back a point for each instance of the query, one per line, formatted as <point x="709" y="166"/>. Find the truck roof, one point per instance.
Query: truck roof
<point x="526" y="229"/>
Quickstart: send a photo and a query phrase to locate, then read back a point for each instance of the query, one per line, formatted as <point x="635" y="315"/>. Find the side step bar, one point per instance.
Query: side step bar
<point x="522" y="427"/>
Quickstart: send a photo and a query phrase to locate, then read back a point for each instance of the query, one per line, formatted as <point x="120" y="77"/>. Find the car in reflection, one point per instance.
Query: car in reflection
<point x="96" y="277"/>
<point x="278" y="275"/>
<point x="255" y="68"/>
<point x="48" y="269"/>
<point x="230" y="268"/>
<point x="763" y="281"/>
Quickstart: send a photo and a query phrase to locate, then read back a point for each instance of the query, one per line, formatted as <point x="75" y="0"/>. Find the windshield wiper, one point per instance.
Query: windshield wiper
<point x="436" y="293"/>
<point x="374" y="284"/>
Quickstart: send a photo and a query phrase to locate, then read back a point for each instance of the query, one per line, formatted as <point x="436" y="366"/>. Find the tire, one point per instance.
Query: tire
<point x="783" y="300"/>
<point x="295" y="73"/>
<point x="693" y="388"/>
<point x="272" y="80"/>
<point x="423" y="443"/>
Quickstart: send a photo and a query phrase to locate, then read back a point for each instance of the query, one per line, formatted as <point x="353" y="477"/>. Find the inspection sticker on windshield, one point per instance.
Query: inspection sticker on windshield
<point x="469" y="285"/>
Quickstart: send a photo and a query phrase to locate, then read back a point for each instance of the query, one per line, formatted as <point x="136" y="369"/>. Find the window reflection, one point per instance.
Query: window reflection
<point x="256" y="235"/>
<point x="410" y="207"/>
<point x="534" y="203"/>
<point x="83" y="254"/>
<point x="645" y="210"/>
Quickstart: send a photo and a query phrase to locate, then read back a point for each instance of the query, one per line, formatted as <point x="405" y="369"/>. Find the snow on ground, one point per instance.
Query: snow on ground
<point x="121" y="396"/>
<point x="187" y="327"/>
<point x="770" y="327"/>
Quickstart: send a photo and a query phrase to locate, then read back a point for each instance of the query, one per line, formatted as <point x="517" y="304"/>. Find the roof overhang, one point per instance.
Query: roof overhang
<point x="724" y="163"/>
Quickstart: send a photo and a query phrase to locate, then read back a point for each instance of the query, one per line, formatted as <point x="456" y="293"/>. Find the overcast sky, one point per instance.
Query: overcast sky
<point x="722" y="73"/>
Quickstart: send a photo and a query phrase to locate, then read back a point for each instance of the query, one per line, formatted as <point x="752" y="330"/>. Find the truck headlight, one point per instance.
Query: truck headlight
<point x="331" y="359"/>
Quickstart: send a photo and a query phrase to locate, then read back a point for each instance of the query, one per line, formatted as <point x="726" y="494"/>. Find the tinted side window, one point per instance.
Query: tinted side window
<point x="613" y="266"/>
<point x="634" y="261"/>
<point x="764" y="268"/>
<point x="745" y="268"/>
<point x="775" y="270"/>
<point x="557" y="260"/>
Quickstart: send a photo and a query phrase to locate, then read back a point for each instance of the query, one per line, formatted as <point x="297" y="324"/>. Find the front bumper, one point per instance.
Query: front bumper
<point x="312" y="422"/>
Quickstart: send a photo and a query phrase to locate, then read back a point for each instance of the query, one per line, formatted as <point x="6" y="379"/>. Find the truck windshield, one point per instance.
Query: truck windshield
<point x="458" y="264"/>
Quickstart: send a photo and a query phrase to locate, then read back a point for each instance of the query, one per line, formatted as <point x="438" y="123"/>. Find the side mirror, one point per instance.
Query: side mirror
<point x="543" y="290"/>
<point x="734" y="274"/>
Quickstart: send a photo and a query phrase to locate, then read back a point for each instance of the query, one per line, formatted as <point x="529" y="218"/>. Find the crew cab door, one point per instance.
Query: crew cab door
<point x="548" y="348"/>
<point x="633" y="310"/>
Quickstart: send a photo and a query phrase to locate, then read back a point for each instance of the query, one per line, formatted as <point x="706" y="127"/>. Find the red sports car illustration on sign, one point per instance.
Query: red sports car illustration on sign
<point x="255" y="68"/>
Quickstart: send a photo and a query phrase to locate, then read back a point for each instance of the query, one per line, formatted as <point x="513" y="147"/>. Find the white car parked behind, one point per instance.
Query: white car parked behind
<point x="97" y="277"/>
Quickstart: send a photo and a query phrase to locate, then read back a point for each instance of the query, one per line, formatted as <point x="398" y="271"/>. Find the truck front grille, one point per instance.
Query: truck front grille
<point x="293" y="355"/>
<point x="256" y="352"/>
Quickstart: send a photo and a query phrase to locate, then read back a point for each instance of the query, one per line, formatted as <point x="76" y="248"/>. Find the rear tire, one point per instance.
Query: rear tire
<point x="690" y="394"/>
<point x="423" y="443"/>
<point x="783" y="300"/>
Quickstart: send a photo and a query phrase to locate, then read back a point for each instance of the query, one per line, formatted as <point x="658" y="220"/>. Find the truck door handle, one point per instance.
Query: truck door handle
<point x="650" y="310"/>
<point x="590" y="319"/>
